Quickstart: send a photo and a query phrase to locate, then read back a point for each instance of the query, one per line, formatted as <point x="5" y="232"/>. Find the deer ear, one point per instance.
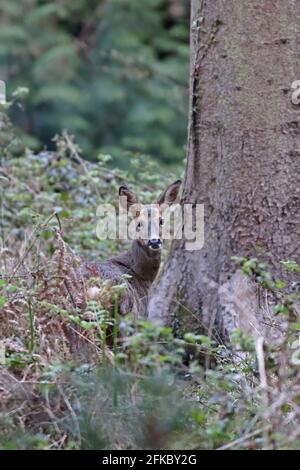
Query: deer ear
<point x="127" y="197"/>
<point x="170" y="194"/>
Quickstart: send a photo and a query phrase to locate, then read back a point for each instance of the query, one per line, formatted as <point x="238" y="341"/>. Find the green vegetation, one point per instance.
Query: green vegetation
<point x="113" y="72"/>
<point x="64" y="387"/>
<point x="73" y="374"/>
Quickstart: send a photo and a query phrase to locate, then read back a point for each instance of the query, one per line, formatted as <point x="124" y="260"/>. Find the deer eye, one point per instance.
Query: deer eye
<point x="161" y="222"/>
<point x="139" y="226"/>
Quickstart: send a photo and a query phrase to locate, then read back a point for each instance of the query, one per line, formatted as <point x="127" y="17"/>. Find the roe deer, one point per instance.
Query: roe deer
<point x="142" y="261"/>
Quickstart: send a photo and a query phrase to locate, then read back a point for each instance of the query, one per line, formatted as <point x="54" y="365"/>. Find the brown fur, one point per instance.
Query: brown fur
<point x="140" y="262"/>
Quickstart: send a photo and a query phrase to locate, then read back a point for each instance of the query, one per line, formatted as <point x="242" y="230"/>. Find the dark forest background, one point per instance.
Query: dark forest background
<point x="112" y="72"/>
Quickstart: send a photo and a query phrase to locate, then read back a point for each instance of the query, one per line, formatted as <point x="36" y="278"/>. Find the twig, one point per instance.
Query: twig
<point x="73" y="414"/>
<point x="50" y="413"/>
<point x="10" y="177"/>
<point x="34" y="238"/>
<point x="75" y="155"/>
<point x="242" y="439"/>
<point x="263" y="384"/>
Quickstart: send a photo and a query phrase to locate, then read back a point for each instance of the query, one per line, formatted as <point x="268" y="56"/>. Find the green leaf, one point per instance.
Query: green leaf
<point x="279" y="284"/>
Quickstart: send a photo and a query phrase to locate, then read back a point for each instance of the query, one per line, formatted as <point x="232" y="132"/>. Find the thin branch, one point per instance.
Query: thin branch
<point x="242" y="439"/>
<point x="263" y="384"/>
<point x="33" y="239"/>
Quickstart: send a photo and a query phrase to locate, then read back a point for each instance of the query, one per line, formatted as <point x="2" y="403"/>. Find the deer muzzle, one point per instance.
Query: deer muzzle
<point x="155" y="244"/>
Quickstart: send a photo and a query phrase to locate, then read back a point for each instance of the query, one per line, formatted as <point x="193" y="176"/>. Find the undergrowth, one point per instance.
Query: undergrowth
<point x="67" y="380"/>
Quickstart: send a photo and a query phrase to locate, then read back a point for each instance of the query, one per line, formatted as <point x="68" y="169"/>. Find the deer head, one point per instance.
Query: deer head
<point x="148" y="218"/>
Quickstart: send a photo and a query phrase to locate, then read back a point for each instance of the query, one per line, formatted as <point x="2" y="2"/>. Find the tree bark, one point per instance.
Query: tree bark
<point x="243" y="155"/>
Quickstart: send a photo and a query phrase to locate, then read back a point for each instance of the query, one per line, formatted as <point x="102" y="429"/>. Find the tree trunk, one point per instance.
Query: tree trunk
<point x="243" y="157"/>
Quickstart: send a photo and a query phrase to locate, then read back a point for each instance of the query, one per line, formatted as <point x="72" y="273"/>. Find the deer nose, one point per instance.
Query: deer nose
<point x="154" y="244"/>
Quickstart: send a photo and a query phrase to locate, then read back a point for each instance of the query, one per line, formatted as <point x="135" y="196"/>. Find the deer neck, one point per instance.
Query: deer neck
<point x="141" y="261"/>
